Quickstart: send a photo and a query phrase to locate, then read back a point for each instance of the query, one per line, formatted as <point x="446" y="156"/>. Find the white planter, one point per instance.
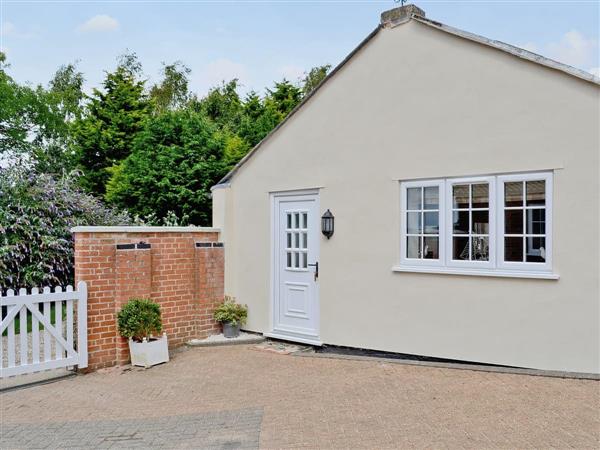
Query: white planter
<point x="149" y="353"/>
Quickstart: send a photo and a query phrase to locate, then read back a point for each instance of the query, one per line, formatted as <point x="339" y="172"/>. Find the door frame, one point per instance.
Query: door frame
<point x="274" y="286"/>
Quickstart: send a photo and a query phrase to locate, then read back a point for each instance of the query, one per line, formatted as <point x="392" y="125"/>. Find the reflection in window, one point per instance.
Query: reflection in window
<point x="422" y="222"/>
<point x="525" y="221"/>
<point x="470" y="222"/>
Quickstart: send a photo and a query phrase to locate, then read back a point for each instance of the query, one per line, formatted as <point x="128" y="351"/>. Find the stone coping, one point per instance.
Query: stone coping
<point x="144" y="229"/>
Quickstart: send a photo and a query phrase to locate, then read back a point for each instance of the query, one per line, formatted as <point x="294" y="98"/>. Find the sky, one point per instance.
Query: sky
<point x="262" y="41"/>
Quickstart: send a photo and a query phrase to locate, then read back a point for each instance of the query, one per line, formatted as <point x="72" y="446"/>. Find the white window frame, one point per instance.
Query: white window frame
<point x="525" y="266"/>
<point x="496" y="266"/>
<point x="441" y="227"/>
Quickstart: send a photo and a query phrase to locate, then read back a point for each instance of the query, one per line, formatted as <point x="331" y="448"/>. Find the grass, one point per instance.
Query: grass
<point x="17" y="319"/>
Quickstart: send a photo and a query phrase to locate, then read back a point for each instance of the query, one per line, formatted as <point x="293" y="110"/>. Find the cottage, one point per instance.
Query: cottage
<point x="462" y="178"/>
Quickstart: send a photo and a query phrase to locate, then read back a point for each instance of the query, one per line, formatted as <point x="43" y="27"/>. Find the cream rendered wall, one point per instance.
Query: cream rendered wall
<point x="418" y="102"/>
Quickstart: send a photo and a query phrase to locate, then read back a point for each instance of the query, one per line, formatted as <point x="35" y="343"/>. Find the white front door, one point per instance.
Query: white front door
<point x="295" y="267"/>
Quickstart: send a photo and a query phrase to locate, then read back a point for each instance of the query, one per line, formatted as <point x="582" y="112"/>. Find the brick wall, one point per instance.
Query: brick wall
<point x="180" y="268"/>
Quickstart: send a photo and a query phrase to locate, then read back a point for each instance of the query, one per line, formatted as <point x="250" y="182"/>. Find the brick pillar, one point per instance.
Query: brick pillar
<point x="210" y="284"/>
<point x="94" y="264"/>
<point x="133" y="279"/>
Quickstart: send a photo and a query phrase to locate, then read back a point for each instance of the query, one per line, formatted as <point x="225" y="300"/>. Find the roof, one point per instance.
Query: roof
<point x="511" y="49"/>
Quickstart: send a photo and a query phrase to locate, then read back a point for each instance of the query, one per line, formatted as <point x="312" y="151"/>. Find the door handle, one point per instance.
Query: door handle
<point x="316" y="266"/>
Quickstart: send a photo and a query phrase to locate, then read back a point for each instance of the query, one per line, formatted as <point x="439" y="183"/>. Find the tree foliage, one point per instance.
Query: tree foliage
<point x="112" y="118"/>
<point x="37" y="212"/>
<point x="175" y="160"/>
<point x="154" y="151"/>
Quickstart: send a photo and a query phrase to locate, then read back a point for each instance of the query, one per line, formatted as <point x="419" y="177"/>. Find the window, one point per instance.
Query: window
<point x="296" y="236"/>
<point x="483" y="224"/>
<point x="422" y="207"/>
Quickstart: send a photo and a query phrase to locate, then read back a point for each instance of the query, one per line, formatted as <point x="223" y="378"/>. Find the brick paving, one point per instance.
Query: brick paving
<point x="284" y="401"/>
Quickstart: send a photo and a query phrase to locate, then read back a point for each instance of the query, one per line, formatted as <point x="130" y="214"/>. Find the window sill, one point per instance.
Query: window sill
<point x="477" y="272"/>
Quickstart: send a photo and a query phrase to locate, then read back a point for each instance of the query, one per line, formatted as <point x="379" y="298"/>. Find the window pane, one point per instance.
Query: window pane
<point x="480" y="195"/>
<point x="296" y="220"/>
<point x="304" y="261"/>
<point x="431" y="222"/>
<point x="513" y="249"/>
<point x="304" y="240"/>
<point x="289" y="220"/>
<point x="413" y="223"/>
<point x="481" y="222"/>
<point x="289" y="260"/>
<point x="513" y="194"/>
<point x="480" y="248"/>
<point x="460" y="196"/>
<point x="296" y="240"/>
<point x="513" y="221"/>
<point x="413" y="247"/>
<point x="460" y="248"/>
<point x="431" y="247"/>
<point x="413" y="198"/>
<point x="536" y="249"/>
<point x="536" y="193"/>
<point x="289" y="240"/>
<point x="536" y="221"/>
<point x="297" y="260"/>
<point x="432" y="200"/>
<point x="460" y="221"/>
<point x="304" y="220"/>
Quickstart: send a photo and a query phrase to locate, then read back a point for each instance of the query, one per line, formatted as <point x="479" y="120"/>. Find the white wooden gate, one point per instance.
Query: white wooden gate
<point x="56" y="338"/>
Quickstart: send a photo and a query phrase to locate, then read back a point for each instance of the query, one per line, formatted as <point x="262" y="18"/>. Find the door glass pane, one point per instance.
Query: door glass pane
<point x="513" y="193"/>
<point x="289" y="240"/>
<point x="289" y="220"/>
<point x="413" y="198"/>
<point x="536" y="221"/>
<point x="481" y="222"/>
<point x="413" y="223"/>
<point x="304" y="220"/>
<point x="304" y="240"/>
<point x="296" y="220"/>
<point x="289" y="260"/>
<point x="480" y="195"/>
<point x="536" y="192"/>
<point x="513" y="221"/>
<point x="460" y="221"/>
<point x="304" y="262"/>
<point x="431" y="247"/>
<point x="432" y="200"/>
<point x="460" y="196"/>
<point x="513" y="249"/>
<point x="431" y="222"/>
<point x="413" y="246"/>
<point x="536" y="249"/>
<point x="480" y="248"/>
<point x="297" y="260"/>
<point x="460" y="248"/>
<point x="296" y="240"/>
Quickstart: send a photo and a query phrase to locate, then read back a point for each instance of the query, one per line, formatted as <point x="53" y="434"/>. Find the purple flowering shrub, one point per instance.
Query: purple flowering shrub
<point x="37" y="212"/>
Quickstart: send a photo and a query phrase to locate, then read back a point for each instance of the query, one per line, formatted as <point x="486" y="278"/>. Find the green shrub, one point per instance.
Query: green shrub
<point x="139" y="319"/>
<point x="231" y="312"/>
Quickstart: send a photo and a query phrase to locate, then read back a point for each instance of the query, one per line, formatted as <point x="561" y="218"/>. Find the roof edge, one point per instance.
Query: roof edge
<point x="513" y="50"/>
<point x="226" y="179"/>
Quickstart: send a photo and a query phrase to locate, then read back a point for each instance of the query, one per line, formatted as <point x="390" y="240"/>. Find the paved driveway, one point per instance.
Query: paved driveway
<point x="232" y="397"/>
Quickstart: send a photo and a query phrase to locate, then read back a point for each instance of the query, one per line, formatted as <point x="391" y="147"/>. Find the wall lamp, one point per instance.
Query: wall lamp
<point x="327" y="220"/>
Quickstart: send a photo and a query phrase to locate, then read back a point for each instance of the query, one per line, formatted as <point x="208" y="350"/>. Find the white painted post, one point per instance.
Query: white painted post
<point x="23" y="334"/>
<point x="47" y="343"/>
<point x="69" y="321"/>
<point x="59" y="351"/>
<point x="35" y="331"/>
<point x="82" y="349"/>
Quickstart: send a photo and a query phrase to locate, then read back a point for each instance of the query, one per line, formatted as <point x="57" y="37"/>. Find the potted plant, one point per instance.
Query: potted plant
<point x="231" y="315"/>
<point x="139" y="321"/>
